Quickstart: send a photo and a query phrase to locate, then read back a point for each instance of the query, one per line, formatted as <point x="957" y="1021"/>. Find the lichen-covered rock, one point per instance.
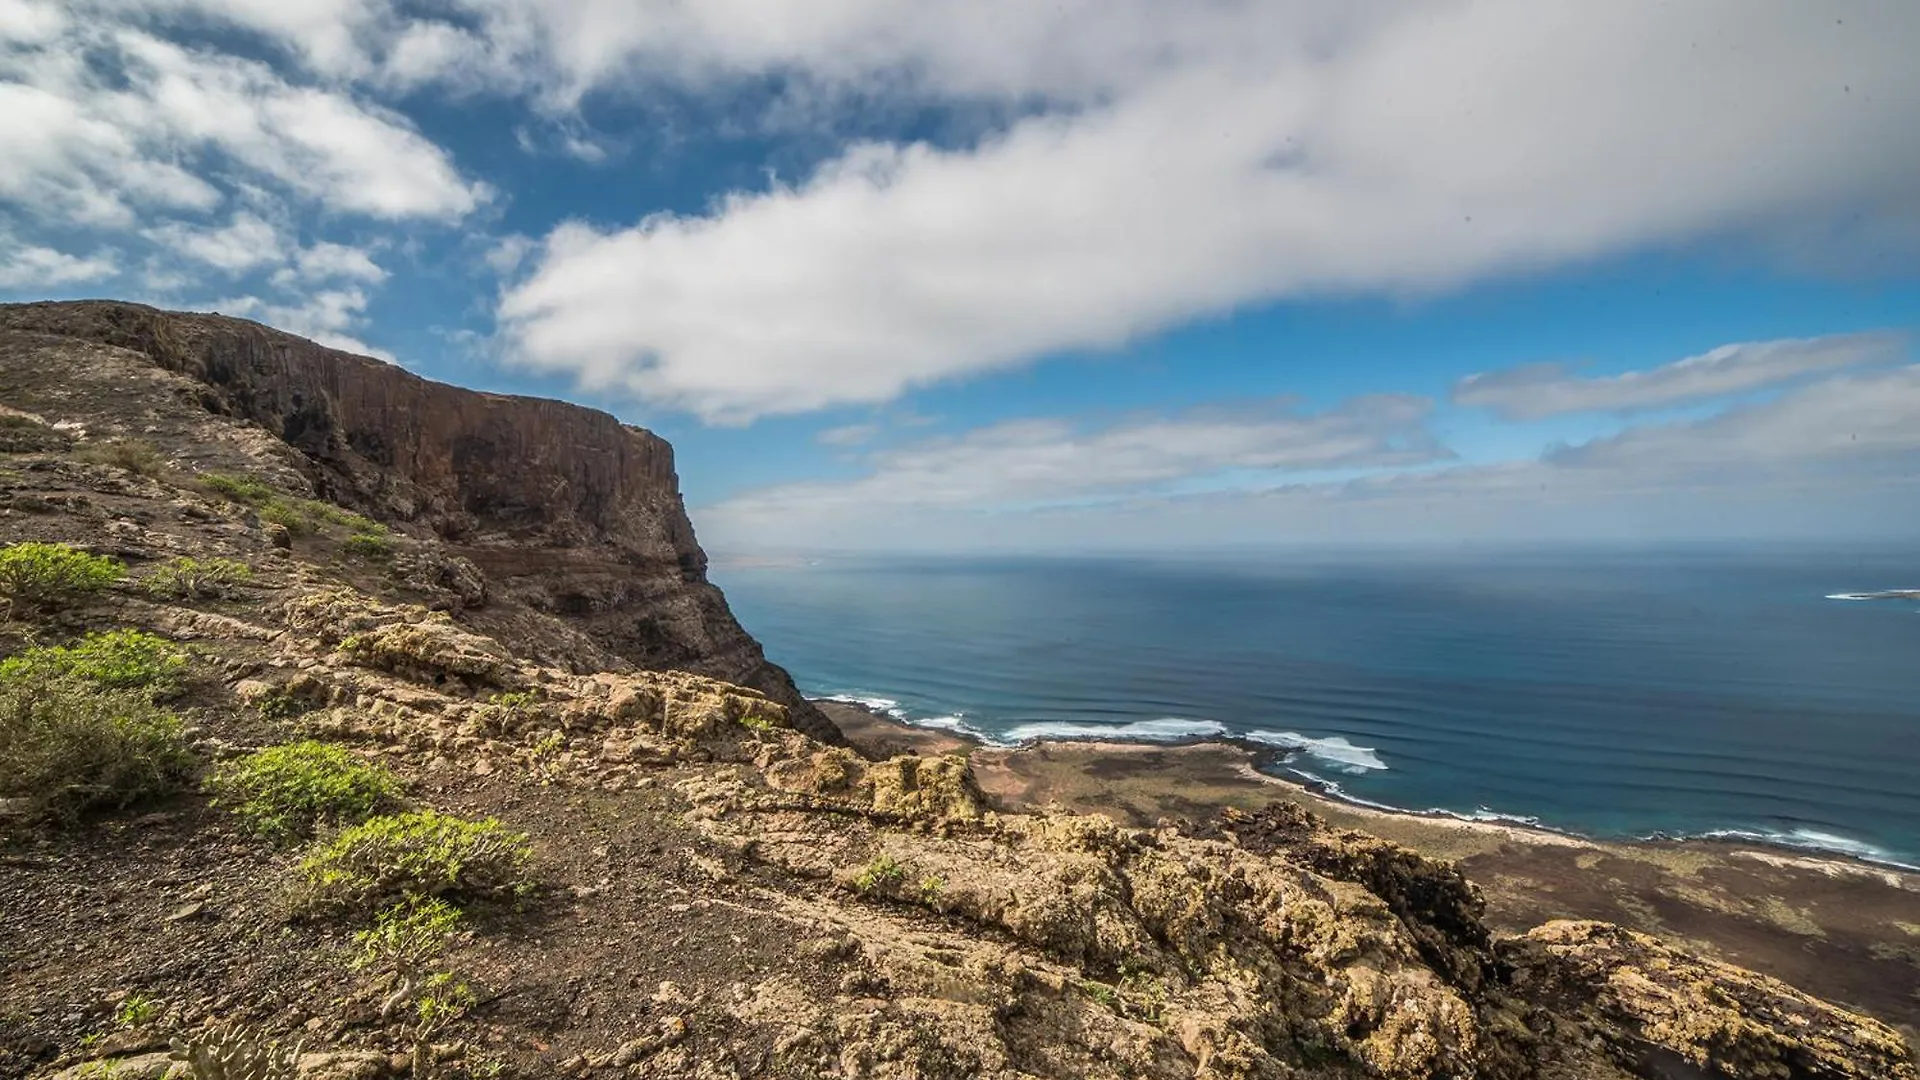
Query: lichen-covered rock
<point x="1646" y="998"/>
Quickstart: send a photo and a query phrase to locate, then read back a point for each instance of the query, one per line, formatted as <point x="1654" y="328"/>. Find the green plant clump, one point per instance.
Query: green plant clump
<point x="299" y="516"/>
<point x="423" y="853"/>
<point x="39" y="576"/>
<point x="114" y="660"/>
<point x="883" y="874"/>
<point x="137" y="1010"/>
<point x="188" y="578"/>
<point x="371" y="546"/>
<point x="243" y="489"/>
<point x="67" y="745"/>
<point x="286" y="791"/>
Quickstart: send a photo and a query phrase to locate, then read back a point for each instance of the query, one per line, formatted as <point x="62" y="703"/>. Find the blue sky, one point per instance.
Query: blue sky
<point x="1076" y="276"/>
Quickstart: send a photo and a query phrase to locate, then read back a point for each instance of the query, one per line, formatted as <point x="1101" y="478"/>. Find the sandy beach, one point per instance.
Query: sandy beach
<point x="1839" y="927"/>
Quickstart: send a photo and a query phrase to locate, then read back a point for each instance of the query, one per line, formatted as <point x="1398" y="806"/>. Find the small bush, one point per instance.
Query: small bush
<point x="425" y="853"/>
<point x="883" y="874"/>
<point x="367" y="546"/>
<point x="286" y="791"/>
<point x="41" y="576"/>
<point x="133" y="455"/>
<point x="242" y="489"/>
<point x="187" y="578"/>
<point x="359" y="524"/>
<point x="289" y="516"/>
<point x="137" y="1011"/>
<point x="67" y="746"/>
<point x="115" y="660"/>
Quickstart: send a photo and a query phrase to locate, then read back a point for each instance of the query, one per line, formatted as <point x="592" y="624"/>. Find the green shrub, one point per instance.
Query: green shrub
<point x="367" y="546"/>
<point x="883" y="874"/>
<point x="115" y="660"/>
<point x="285" y="791"/>
<point x="67" y="745"/>
<point x="39" y="576"/>
<point x="242" y="489"/>
<point x="137" y="1010"/>
<point x="289" y="516"/>
<point x="188" y="578"/>
<point x="133" y="455"/>
<point x="419" y="854"/>
<point x="358" y="524"/>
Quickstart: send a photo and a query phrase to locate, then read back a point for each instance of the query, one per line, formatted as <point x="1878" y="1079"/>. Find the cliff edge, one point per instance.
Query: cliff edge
<point x="563" y="509"/>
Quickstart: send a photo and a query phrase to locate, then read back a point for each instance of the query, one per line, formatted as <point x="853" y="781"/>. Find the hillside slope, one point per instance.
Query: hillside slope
<point x="563" y="509"/>
<point x="577" y="867"/>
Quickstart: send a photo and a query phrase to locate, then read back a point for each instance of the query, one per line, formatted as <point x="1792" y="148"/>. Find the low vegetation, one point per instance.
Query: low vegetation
<point x="130" y="660"/>
<point x="370" y="546"/>
<point x="39" y="577"/>
<point x="285" y="792"/>
<point x="299" y="516"/>
<point x="883" y="875"/>
<point x="68" y="746"/>
<point x="424" y="853"/>
<point x="404" y="949"/>
<point x="187" y="578"/>
<point x="133" y="455"/>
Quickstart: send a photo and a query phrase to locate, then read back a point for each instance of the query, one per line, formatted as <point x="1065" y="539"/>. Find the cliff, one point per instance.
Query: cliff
<point x="319" y="798"/>
<point x="564" y="509"/>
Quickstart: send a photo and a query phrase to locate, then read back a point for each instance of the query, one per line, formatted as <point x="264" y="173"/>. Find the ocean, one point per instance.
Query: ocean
<point x="1614" y="694"/>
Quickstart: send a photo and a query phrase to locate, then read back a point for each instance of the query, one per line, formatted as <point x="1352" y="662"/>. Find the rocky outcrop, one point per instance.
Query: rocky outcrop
<point x="565" y="510"/>
<point x="1658" y="1008"/>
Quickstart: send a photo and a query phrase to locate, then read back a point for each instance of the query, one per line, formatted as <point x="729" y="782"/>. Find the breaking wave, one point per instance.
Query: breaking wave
<point x="1334" y="751"/>
<point x="1165" y="729"/>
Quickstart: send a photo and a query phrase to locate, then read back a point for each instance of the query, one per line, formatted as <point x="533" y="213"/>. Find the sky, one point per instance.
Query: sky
<point x="962" y="275"/>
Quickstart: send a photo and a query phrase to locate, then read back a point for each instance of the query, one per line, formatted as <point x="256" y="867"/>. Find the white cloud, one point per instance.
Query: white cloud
<point x="1842" y="418"/>
<point x="848" y="435"/>
<point x="28" y="266"/>
<point x="1837" y="458"/>
<point x="1047" y="461"/>
<point x="104" y="124"/>
<point x="326" y="261"/>
<point x="1541" y="390"/>
<point x="245" y="243"/>
<point x="1196" y="161"/>
<point x="328" y="316"/>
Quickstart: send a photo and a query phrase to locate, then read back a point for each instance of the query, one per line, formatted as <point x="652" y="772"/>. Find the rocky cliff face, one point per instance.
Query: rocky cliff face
<point x="564" y="509"/>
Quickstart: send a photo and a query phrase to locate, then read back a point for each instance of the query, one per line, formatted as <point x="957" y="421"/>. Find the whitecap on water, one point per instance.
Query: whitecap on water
<point x="1165" y="729"/>
<point x="876" y="704"/>
<point x="1334" y="751"/>
<point x="1813" y="840"/>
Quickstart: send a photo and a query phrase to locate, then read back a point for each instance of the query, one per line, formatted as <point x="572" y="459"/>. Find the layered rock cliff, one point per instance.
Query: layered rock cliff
<point x="564" y="509"/>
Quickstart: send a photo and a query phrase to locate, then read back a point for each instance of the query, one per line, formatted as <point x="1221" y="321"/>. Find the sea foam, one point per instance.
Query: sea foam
<point x="1812" y="840"/>
<point x="1334" y="751"/>
<point x="1165" y="729"/>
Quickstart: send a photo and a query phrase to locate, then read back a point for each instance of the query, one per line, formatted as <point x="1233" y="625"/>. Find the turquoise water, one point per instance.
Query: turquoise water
<point x="1608" y="693"/>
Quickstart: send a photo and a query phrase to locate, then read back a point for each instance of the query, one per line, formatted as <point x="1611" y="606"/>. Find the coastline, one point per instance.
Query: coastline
<point x="881" y="728"/>
<point x="1844" y="925"/>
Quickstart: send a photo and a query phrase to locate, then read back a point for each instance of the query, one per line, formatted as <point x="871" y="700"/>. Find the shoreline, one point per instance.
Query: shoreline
<point x="1833" y="924"/>
<point x="1317" y="794"/>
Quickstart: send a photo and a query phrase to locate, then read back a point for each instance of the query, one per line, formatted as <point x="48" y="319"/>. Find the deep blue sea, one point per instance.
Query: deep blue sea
<point x="1610" y="693"/>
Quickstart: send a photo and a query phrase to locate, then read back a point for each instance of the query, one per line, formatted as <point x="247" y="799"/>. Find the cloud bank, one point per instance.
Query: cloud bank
<point x="1264" y="152"/>
<point x="1834" y="457"/>
<point x="1542" y="390"/>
